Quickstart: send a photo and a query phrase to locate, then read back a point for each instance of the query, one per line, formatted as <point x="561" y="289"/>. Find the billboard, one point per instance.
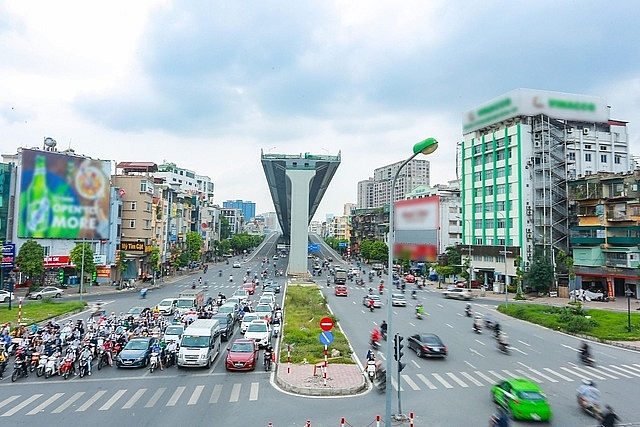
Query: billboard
<point x="416" y="229"/>
<point x="63" y="197"/>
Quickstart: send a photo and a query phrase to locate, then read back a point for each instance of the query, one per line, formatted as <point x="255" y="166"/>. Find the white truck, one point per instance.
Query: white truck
<point x="200" y="344"/>
<point x="189" y="300"/>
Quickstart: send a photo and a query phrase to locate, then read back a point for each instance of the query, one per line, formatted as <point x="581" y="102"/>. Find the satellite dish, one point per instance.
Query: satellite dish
<point x="50" y="142"/>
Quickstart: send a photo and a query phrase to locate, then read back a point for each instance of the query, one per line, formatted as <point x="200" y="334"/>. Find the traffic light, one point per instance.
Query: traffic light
<point x="94" y="276"/>
<point x="61" y="276"/>
<point x="398" y="353"/>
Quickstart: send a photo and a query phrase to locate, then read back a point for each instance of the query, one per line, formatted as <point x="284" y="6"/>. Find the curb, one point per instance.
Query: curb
<point x="319" y="391"/>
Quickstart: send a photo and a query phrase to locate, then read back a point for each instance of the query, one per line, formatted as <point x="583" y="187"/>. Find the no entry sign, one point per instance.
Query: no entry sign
<point x="326" y="324"/>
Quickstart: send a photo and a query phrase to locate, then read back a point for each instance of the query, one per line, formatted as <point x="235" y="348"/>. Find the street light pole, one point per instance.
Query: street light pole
<point x="628" y="293"/>
<point x="506" y="226"/>
<point x="427" y="146"/>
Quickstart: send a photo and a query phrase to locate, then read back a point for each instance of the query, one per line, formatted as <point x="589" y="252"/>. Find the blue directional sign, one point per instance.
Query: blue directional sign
<point x="342" y="244"/>
<point x="313" y="247"/>
<point x="326" y="338"/>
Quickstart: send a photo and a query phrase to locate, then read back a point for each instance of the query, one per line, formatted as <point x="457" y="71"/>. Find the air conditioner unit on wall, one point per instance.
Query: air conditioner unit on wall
<point x="585" y="131"/>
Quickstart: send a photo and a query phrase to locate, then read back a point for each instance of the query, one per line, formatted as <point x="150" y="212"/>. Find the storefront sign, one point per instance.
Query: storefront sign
<point x="56" y="261"/>
<point x="132" y="246"/>
<point x="8" y="255"/>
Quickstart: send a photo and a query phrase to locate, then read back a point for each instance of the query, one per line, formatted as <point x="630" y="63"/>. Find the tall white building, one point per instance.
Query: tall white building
<point x="187" y="180"/>
<point x="374" y="192"/>
<point x="518" y="152"/>
<point x="365" y="194"/>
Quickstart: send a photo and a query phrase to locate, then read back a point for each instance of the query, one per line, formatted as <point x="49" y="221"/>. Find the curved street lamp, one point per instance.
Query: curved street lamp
<point x="427" y="146"/>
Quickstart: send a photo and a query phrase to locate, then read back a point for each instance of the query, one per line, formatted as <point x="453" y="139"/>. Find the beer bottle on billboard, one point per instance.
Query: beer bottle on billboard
<point x="38" y="205"/>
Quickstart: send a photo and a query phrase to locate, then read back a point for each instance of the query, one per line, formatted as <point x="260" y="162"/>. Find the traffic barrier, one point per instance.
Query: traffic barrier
<point x="377" y="420"/>
<point x="410" y="419"/>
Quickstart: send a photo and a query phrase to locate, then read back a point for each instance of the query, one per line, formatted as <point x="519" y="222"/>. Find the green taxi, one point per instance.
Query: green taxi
<point x="522" y="399"/>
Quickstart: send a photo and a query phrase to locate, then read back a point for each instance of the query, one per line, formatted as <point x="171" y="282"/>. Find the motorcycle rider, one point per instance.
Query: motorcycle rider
<point x="370" y="355"/>
<point x="3" y="359"/>
<point x="414" y="293"/>
<point x="419" y="310"/>
<point x="375" y="337"/>
<point x="477" y="323"/>
<point x="588" y="394"/>
<point x="585" y="351"/>
<point x="610" y="417"/>
<point x="371" y="304"/>
<point x="21" y="357"/>
<point x="501" y="337"/>
<point x="381" y="287"/>
<point x="86" y="354"/>
<point x="107" y="347"/>
<point x="500" y="419"/>
<point x="155" y="348"/>
<point x="383" y="329"/>
<point x="172" y="349"/>
<point x="467" y="309"/>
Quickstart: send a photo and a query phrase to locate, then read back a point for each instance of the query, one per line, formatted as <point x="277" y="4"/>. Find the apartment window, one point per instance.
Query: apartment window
<point x="454" y="223"/>
<point x="147" y="206"/>
<point x="499" y="143"/>
<point x="488" y="258"/>
<point x="147" y="224"/>
<point x="603" y="148"/>
<point x="477" y="176"/>
<point x="478" y="208"/>
<point x="478" y="224"/>
<point x="603" y="158"/>
<point x="571" y="156"/>
<point x="489" y="174"/>
<point x="133" y="206"/>
<point x="616" y="160"/>
<point x="499" y="155"/>
<point x="587" y="157"/>
<point x="587" y="146"/>
<point x="489" y="190"/>
<point x="132" y="223"/>
<point x="500" y="188"/>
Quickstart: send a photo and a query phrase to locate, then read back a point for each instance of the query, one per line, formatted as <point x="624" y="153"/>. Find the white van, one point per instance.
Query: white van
<point x="200" y="343"/>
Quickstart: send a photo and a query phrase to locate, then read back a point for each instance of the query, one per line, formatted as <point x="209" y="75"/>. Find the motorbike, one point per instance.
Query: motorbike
<point x="50" y="367"/>
<point x="35" y="361"/>
<point x="67" y="367"/>
<point x="18" y="371"/>
<point x="276" y="330"/>
<point x="170" y="358"/>
<point x="143" y="293"/>
<point x="502" y="342"/>
<point x="42" y="364"/>
<point x="380" y="381"/>
<point x="414" y="294"/>
<point x="103" y="358"/>
<point x="374" y="344"/>
<point x="268" y="355"/>
<point x="588" y="397"/>
<point x="477" y="326"/>
<point x="153" y="361"/>
<point x="82" y="366"/>
<point x="219" y="273"/>
<point x="468" y="311"/>
<point x="586" y="359"/>
<point x="371" y="370"/>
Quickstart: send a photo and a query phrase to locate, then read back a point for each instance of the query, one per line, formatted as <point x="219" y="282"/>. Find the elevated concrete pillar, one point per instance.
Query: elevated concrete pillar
<point x="300" y="181"/>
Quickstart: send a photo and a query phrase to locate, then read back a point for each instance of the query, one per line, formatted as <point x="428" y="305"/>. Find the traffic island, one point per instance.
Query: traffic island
<point x="307" y="379"/>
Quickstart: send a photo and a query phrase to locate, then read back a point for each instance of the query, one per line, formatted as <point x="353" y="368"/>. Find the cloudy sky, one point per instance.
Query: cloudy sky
<point x="208" y="84"/>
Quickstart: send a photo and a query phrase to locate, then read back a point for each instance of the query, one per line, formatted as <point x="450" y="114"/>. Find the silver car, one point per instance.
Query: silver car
<point x="47" y="291"/>
<point x="459" y="293"/>
<point x="398" y="300"/>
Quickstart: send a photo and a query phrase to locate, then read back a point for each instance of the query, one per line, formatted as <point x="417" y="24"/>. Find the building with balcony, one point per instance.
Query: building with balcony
<point x="248" y="208"/>
<point x="605" y="234"/>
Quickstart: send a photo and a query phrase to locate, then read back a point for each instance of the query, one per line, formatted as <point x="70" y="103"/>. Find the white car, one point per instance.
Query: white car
<point x="166" y="306"/>
<point x="6" y="296"/>
<point x="173" y="333"/>
<point x="237" y="265"/>
<point x="377" y="303"/>
<point x="459" y="293"/>
<point x="398" y="300"/>
<point x="248" y="318"/>
<point x="260" y="332"/>
<point x="47" y="291"/>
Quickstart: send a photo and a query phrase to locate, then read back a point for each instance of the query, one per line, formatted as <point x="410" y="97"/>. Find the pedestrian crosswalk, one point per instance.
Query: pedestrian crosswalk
<point x="466" y="379"/>
<point x="127" y="398"/>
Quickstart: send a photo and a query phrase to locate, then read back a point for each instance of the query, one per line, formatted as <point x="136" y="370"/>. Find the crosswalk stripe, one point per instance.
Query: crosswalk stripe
<point x="109" y="403"/>
<point x="44" y="404"/>
<point x="175" y="396"/>
<point x="21" y="405"/>
<point x="598" y="370"/>
<point x="394" y="384"/>
<point x="470" y="378"/>
<point x="427" y="382"/>
<point x="604" y="368"/>
<point x="235" y="393"/>
<point x="577" y="374"/>
<point x="497" y="375"/>
<point x="457" y="380"/>
<point x="156" y="396"/>
<point x="528" y="375"/>
<point x="637" y="364"/>
<point x="86" y="405"/>
<point x="9" y="400"/>
<point x="631" y="367"/>
<point x="508" y="373"/>
<point x="409" y="381"/>
<point x="195" y="395"/>
<point x="253" y="394"/>
<point x="484" y="377"/>
<point x="442" y="380"/>
<point x="558" y="374"/>
<point x="70" y="401"/>
<point x="546" y="377"/>
<point x="134" y="399"/>
<point x="624" y="370"/>
<point x="215" y="394"/>
<point x="592" y="375"/>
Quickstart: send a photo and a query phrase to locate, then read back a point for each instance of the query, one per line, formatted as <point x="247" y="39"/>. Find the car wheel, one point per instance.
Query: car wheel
<point x="58" y="295"/>
<point x="6" y="299"/>
<point x="39" y="297"/>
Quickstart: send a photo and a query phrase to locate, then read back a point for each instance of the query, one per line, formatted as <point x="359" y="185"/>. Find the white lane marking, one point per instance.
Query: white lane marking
<point x="235" y="393"/>
<point x="591" y="374"/>
<point x="21" y="405"/>
<point x="134" y="399"/>
<point x="476" y="352"/>
<point x="86" y="405"/>
<point x="457" y="380"/>
<point x="508" y="373"/>
<point x="109" y="403"/>
<point x="470" y="378"/>
<point x="599" y="371"/>
<point x="175" y="396"/>
<point x="449" y="325"/>
<point x="484" y="377"/>
<point x="394" y="384"/>
<point x="528" y="375"/>
<point x="480" y="342"/>
<point x="631" y="367"/>
<point x="439" y="305"/>
<point x="195" y="395"/>
<point x="415" y="364"/>
<point x="577" y="374"/>
<point x="44" y="404"/>
<point x="546" y="377"/>
<point x="518" y="350"/>
<point x="215" y="394"/>
<point x="68" y="403"/>
<point x="156" y="396"/>
<point x="442" y="380"/>
<point x="569" y="347"/>
<point x="604" y="368"/>
<point x="411" y="383"/>
<point x="558" y="374"/>
<point x="624" y="370"/>
<point x="522" y="342"/>
<point x="9" y="400"/>
<point x="253" y="393"/>
<point x="470" y="365"/>
<point x="497" y="375"/>
<point x="427" y="382"/>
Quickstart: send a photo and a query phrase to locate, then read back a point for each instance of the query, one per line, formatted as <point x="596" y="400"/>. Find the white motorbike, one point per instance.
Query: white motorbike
<point x="371" y="370"/>
<point x="276" y="330"/>
<point x="42" y="364"/>
<point x="588" y="397"/>
<point x="50" y="367"/>
<point x="153" y="362"/>
<point x="502" y="342"/>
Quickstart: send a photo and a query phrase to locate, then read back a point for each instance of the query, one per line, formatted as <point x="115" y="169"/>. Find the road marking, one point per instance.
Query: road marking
<point x="568" y="346"/>
<point x="524" y="343"/>
<point x="476" y="352"/>
<point x="615" y="372"/>
<point x="44" y="404"/>
<point x="156" y="396"/>
<point x="470" y="365"/>
<point x="394" y="384"/>
<point x="551" y="371"/>
<point x="427" y="382"/>
<point x="577" y="374"/>
<point x="484" y="377"/>
<point x="113" y="400"/>
<point x="439" y="305"/>
<point x="215" y="394"/>
<point x="631" y="367"/>
<point x="21" y="405"/>
<point x="598" y="370"/>
<point x="442" y="380"/>
<point x="497" y="375"/>
<point x="528" y="375"/>
<point x="470" y="378"/>
<point x="480" y="342"/>
<point x="457" y="380"/>
<point x="235" y="393"/>
<point x="86" y="405"/>
<point x="195" y="395"/>
<point x="518" y="350"/>
<point x="68" y="403"/>
<point x="253" y="394"/>
<point x="449" y="325"/>
<point x="624" y="370"/>
<point x="176" y="395"/>
<point x="415" y="364"/>
<point x="509" y="374"/>
<point x="548" y="378"/>
<point x="409" y="381"/>
<point x="134" y="399"/>
<point x="9" y="400"/>
<point x="589" y="373"/>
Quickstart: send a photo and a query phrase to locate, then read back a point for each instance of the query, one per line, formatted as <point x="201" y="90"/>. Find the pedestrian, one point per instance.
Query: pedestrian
<point x="610" y="417"/>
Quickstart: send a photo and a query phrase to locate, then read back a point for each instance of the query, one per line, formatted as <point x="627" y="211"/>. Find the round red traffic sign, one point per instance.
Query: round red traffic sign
<point x="326" y="324"/>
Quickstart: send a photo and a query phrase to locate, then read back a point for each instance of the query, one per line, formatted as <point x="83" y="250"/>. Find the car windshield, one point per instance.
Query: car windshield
<point x="257" y="327"/>
<point x="398" y="296"/>
<point x="226" y="309"/>
<point x="249" y="317"/>
<point x="174" y="330"/>
<point x="184" y="303"/>
<point x="223" y="320"/>
<point x="263" y="308"/>
<point x="530" y="395"/>
<point x="242" y="347"/>
<point x="427" y="339"/>
<point x="194" y="341"/>
<point x="136" y="345"/>
<point x="165" y="303"/>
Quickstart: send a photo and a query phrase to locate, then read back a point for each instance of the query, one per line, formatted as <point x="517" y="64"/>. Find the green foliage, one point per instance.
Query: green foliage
<point x="540" y="275"/>
<point x="225" y="229"/>
<point x="174" y="257"/>
<point x="193" y="243"/>
<point x="121" y="264"/>
<point x="30" y="259"/>
<point x="38" y="311"/>
<point x="154" y="259"/>
<point x="335" y="244"/>
<point x="82" y="257"/>
<point x="304" y="307"/>
<point x="454" y="259"/>
<point x="379" y="251"/>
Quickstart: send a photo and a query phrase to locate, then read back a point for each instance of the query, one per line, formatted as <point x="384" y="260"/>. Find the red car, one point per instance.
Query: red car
<point x="242" y="355"/>
<point x="463" y="284"/>
<point x="250" y="287"/>
<point x="341" y="290"/>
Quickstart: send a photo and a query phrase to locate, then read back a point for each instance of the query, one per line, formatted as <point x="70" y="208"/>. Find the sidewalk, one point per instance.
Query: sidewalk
<point x="341" y="379"/>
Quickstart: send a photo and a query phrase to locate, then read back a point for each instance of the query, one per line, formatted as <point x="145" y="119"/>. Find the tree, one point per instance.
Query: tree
<point x="193" y="246"/>
<point x="154" y="259"/>
<point x="541" y="274"/>
<point x="82" y="252"/>
<point x="225" y="229"/>
<point x="454" y="259"/>
<point x="519" y="278"/>
<point x="379" y="251"/>
<point x="31" y="260"/>
<point x="174" y="257"/>
<point x="366" y="248"/>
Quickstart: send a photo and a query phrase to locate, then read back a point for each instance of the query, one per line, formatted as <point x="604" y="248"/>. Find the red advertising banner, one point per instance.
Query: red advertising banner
<point x="56" y="261"/>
